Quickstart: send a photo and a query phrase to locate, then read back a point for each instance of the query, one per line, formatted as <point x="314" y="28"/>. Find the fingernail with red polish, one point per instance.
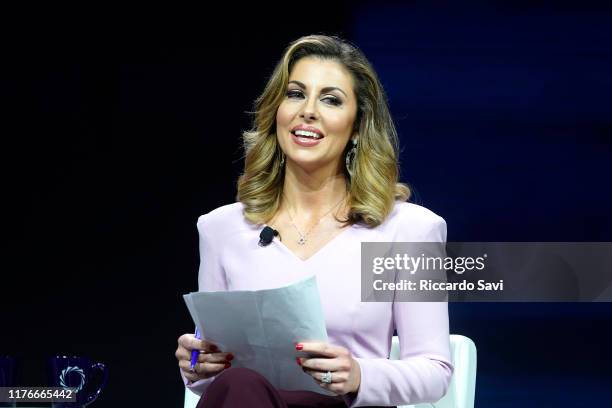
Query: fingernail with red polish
<point x="230" y="357"/>
<point x="299" y="346"/>
<point x="213" y="348"/>
<point x="297" y="359"/>
<point x="227" y="365"/>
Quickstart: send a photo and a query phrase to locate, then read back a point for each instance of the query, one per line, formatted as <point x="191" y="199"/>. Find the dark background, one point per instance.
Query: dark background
<point x="122" y="126"/>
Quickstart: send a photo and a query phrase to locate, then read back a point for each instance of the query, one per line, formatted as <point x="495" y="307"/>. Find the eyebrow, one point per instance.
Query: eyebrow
<point x="324" y="90"/>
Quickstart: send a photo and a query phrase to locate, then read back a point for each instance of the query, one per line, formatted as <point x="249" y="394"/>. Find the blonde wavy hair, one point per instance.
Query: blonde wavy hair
<point x="374" y="185"/>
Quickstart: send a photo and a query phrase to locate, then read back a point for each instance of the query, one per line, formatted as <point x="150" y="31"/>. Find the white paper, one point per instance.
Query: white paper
<point x="260" y="328"/>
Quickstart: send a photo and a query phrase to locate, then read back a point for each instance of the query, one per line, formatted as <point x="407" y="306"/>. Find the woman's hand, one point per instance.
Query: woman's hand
<point x="345" y="371"/>
<point x="211" y="360"/>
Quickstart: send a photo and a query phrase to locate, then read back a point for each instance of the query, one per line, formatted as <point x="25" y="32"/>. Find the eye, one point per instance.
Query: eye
<point x="332" y="100"/>
<point x="294" y="93"/>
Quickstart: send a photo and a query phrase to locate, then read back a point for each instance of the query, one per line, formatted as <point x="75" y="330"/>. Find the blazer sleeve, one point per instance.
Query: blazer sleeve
<point x="424" y="371"/>
<point x="211" y="277"/>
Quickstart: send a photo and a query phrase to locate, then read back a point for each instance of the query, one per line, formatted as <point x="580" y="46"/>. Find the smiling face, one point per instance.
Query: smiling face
<point x="315" y="120"/>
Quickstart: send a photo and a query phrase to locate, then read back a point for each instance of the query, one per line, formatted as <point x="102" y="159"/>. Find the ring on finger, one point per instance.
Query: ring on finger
<point x="326" y="378"/>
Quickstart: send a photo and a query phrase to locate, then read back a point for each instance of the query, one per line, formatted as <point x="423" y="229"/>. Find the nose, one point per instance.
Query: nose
<point x="309" y="111"/>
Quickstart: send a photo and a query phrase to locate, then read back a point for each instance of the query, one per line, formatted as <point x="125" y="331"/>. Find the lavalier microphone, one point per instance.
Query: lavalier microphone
<point x="267" y="235"/>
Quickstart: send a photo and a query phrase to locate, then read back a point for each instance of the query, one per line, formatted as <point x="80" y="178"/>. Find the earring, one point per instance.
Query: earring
<point x="350" y="158"/>
<point x="281" y="163"/>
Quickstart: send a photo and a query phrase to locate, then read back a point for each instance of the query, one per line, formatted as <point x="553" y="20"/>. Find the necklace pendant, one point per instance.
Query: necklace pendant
<point x="301" y="241"/>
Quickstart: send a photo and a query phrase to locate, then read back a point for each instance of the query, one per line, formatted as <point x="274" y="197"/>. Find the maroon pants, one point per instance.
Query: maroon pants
<point x="242" y="387"/>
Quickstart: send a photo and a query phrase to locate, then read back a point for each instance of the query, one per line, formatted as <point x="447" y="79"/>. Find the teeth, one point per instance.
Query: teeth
<point x="306" y="133"/>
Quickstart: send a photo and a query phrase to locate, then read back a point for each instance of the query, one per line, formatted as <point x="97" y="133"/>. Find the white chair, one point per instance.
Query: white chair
<point x="461" y="390"/>
<point x="191" y="398"/>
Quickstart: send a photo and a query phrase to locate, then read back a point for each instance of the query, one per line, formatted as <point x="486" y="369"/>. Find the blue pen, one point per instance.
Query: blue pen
<point x="195" y="353"/>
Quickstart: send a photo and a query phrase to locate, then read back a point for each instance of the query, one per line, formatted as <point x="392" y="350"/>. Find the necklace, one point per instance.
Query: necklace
<point x="303" y="239"/>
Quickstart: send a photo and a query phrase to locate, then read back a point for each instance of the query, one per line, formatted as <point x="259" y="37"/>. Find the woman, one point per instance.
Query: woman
<point x="321" y="168"/>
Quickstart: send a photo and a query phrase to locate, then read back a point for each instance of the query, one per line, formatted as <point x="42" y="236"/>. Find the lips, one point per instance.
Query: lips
<point x="305" y="141"/>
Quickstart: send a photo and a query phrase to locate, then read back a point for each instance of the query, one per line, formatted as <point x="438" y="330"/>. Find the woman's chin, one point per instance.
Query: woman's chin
<point x="310" y="165"/>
